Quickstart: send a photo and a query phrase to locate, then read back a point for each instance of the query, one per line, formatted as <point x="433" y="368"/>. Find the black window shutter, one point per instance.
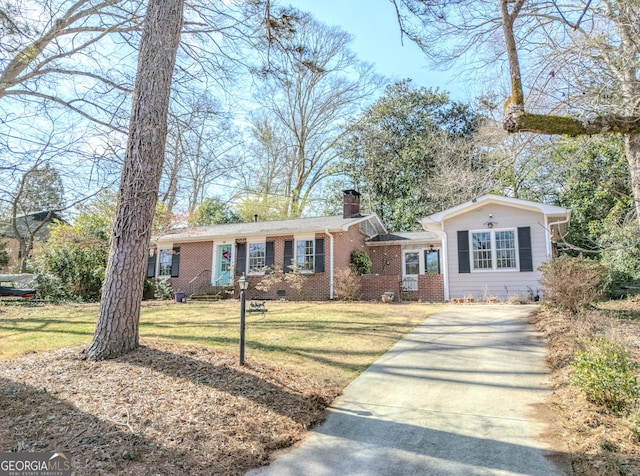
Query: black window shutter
<point x="270" y="255"/>
<point x="319" y="258"/>
<point x="151" y="265"/>
<point x="175" y="262"/>
<point x="288" y="256"/>
<point x="464" y="263"/>
<point x="524" y="249"/>
<point x="241" y="258"/>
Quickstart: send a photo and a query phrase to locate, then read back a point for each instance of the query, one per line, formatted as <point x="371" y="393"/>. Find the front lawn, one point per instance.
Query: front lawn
<point x="334" y="342"/>
<point x="181" y="403"/>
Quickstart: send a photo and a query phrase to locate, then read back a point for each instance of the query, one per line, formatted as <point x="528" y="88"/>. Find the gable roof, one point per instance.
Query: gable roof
<point x="271" y="228"/>
<point x="547" y="210"/>
<point x="30" y="221"/>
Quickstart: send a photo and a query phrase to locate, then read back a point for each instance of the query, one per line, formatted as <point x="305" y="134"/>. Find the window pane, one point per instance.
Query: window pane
<point x="481" y="250"/>
<point x="257" y="252"/>
<point x="432" y="262"/>
<point x="165" y="263"/>
<point x="305" y="251"/>
<point x="411" y="263"/>
<point x="505" y="249"/>
<point x="225" y="258"/>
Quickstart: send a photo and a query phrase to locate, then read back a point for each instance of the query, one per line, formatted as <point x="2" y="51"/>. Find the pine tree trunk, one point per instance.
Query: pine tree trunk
<point x="118" y="322"/>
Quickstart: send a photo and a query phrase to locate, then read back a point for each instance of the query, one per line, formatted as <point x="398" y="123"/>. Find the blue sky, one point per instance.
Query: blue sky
<point x="377" y="40"/>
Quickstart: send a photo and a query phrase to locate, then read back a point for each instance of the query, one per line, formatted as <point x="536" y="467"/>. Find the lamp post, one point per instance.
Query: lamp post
<point x="243" y="284"/>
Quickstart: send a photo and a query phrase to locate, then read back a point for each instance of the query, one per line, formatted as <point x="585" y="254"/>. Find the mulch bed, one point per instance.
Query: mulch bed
<point x="601" y="443"/>
<point x="164" y="409"/>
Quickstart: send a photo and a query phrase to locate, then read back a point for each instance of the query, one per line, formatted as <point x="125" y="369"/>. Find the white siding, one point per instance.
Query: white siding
<point x="482" y="285"/>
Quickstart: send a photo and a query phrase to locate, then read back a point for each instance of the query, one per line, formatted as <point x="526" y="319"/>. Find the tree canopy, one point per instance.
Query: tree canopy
<point x="309" y="84"/>
<point x="396" y="152"/>
<point x="575" y="66"/>
<point x="213" y="211"/>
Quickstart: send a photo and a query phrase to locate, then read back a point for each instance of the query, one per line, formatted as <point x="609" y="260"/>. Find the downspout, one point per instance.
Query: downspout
<point x="445" y="273"/>
<point x="326" y="231"/>
<point x="156" y="271"/>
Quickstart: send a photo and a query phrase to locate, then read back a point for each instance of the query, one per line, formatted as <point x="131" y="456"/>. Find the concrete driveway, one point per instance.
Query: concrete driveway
<point x="463" y="394"/>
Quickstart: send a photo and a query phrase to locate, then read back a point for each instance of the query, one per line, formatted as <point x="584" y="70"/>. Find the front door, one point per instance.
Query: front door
<point x="411" y="270"/>
<point x="223" y="269"/>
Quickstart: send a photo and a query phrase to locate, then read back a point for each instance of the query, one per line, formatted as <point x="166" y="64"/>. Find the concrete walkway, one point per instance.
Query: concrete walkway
<point x="463" y="394"/>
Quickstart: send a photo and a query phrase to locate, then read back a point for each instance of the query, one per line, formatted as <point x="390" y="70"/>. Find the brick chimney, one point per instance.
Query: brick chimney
<point x="350" y="204"/>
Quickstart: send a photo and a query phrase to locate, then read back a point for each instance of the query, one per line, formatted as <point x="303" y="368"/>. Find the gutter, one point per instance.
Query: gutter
<point x="331" y="246"/>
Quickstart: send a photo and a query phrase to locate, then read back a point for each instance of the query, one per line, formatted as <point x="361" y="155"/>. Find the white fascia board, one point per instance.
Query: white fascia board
<point x="430" y="222"/>
<point x="372" y="216"/>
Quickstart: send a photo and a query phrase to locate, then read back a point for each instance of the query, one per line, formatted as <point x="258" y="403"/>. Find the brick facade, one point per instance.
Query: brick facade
<point x="386" y="260"/>
<point x="195" y="259"/>
<point x="196" y="263"/>
<point x="431" y="288"/>
<point x="373" y="286"/>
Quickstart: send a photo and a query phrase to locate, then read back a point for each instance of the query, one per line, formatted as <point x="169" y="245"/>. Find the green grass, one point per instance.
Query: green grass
<point x="334" y="342"/>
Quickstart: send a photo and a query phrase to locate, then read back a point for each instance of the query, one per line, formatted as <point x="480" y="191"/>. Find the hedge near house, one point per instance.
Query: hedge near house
<point x="361" y="262"/>
<point x="572" y="283"/>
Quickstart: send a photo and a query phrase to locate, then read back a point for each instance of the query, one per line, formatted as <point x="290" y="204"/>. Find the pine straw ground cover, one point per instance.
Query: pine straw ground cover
<point x="181" y="403"/>
<point x="601" y="442"/>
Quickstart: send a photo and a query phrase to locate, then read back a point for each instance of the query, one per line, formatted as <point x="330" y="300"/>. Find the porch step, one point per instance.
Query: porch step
<point x="205" y="297"/>
<point x="409" y="296"/>
<point x="220" y="292"/>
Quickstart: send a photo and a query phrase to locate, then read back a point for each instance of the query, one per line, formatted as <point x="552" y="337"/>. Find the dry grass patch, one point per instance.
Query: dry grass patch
<point x="601" y="442"/>
<point x="181" y="404"/>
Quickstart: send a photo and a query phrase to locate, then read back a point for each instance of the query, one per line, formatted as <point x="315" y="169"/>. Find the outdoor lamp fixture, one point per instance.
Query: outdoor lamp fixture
<point x="243" y="284"/>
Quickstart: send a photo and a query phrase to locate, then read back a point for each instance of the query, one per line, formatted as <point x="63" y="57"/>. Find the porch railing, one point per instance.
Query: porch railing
<point x="409" y="284"/>
<point x="409" y="289"/>
<point x="202" y="280"/>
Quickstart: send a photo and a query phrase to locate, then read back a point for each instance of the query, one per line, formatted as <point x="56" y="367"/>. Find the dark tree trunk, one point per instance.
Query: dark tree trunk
<point x="118" y="322"/>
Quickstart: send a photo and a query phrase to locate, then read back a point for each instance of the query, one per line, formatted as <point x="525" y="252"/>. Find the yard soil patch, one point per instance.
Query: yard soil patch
<point x="600" y="442"/>
<point x="164" y="409"/>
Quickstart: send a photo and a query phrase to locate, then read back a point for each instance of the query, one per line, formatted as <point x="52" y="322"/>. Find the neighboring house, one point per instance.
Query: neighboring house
<point x="493" y="246"/>
<point x="32" y="225"/>
<point x="490" y="247"/>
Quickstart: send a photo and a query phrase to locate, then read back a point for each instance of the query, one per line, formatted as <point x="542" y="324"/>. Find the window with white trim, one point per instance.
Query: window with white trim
<point x="411" y="263"/>
<point x="305" y="255"/>
<point x="257" y="257"/>
<point x="481" y="246"/>
<point x="493" y="249"/>
<point x="505" y="249"/>
<point x="165" y="260"/>
<point x="431" y="261"/>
